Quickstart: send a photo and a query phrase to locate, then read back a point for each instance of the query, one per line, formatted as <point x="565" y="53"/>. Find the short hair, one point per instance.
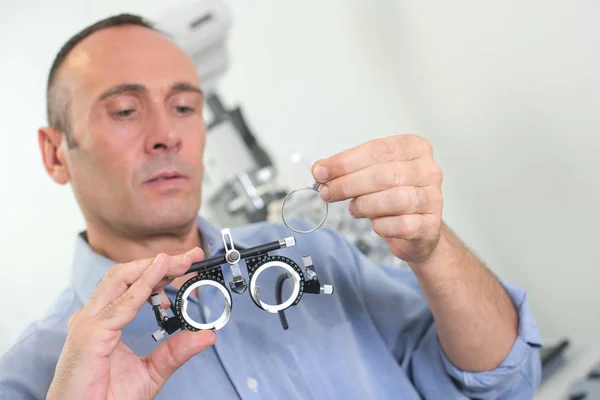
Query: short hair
<point x="57" y="99"/>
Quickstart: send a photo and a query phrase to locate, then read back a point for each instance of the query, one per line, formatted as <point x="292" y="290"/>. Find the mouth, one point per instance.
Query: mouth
<point x="166" y="176"/>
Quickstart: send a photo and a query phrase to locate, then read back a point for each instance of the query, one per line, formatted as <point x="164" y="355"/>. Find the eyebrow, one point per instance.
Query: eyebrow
<point x="137" y="88"/>
<point x="123" y="88"/>
<point x="185" y="87"/>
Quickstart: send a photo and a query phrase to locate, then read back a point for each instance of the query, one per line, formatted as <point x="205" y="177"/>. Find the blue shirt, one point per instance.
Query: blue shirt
<point x="374" y="338"/>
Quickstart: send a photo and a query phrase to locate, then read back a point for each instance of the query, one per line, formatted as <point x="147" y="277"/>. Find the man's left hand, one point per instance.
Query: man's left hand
<point x="394" y="182"/>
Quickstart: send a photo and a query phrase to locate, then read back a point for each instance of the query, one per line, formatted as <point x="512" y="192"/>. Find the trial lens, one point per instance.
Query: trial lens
<point x="303" y="210"/>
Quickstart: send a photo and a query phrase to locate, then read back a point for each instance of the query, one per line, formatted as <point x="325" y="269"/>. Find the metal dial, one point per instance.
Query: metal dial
<point x="257" y="265"/>
<point x="212" y="277"/>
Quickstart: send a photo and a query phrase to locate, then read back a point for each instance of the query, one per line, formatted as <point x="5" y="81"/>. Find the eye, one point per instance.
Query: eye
<point x="183" y="110"/>
<point x="124" y="113"/>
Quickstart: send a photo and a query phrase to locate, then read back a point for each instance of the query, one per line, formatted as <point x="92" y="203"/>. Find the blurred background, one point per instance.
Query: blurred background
<point x="507" y="92"/>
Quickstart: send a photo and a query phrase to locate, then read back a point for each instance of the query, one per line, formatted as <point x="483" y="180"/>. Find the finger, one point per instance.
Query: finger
<point x="121" y="276"/>
<point x="114" y="283"/>
<point x="409" y="226"/>
<point x="165" y="302"/>
<point x="397" y="201"/>
<point x="118" y="278"/>
<point x="124" y="309"/>
<point x="174" y="352"/>
<point x="393" y="148"/>
<point x="376" y="178"/>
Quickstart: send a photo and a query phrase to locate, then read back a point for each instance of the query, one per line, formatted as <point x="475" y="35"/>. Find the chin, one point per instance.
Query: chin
<point x="171" y="218"/>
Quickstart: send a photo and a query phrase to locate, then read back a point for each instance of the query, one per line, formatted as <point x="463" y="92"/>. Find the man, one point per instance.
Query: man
<point x="126" y="131"/>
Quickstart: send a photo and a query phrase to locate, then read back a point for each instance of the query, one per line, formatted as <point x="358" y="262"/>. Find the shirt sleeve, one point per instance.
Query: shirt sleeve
<point x="27" y="368"/>
<point x="13" y="390"/>
<point x="402" y="316"/>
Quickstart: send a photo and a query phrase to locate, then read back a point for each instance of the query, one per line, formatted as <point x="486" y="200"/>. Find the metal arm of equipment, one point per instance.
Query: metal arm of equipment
<point x="249" y="252"/>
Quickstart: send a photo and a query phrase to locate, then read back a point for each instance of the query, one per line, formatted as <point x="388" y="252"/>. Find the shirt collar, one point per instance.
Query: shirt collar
<point x="90" y="267"/>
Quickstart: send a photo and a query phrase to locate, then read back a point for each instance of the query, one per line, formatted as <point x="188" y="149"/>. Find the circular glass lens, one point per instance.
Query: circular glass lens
<point x="303" y="210"/>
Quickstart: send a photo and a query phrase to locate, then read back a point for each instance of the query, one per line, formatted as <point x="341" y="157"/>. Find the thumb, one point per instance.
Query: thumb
<point x="176" y="351"/>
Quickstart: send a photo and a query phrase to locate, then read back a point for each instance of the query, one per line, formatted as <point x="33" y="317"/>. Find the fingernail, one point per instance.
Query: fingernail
<point x="192" y="251"/>
<point x="188" y="255"/>
<point x="324" y="192"/>
<point x="321" y="174"/>
<point x="351" y="208"/>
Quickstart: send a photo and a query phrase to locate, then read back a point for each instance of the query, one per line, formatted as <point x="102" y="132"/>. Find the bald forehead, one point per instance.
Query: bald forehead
<point x="126" y="54"/>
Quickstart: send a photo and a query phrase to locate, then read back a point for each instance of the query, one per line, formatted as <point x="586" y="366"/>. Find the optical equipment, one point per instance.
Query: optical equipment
<point x="257" y="261"/>
<point x="307" y="203"/>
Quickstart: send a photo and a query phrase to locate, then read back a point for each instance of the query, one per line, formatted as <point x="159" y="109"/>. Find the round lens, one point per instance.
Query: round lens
<point x="182" y="302"/>
<point x="303" y="210"/>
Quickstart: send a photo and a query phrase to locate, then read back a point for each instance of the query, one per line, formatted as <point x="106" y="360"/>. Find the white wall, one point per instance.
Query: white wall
<point x="506" y="91"/>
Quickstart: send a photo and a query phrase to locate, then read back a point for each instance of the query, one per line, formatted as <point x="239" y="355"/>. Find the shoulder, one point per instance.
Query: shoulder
<point x="26" y="369"/>
<point x="325" y="245"/>
<point x="263" y="232"/>
<point x="333" y="255"/>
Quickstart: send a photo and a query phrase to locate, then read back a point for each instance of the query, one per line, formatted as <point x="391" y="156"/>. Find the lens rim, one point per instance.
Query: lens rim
<point x="217" y="323"/>
<point x="314" y="187"/>
<point x="275" y="308"/>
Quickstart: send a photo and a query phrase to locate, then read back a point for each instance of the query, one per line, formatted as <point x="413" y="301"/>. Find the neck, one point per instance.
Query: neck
<point x="123" y="247"/>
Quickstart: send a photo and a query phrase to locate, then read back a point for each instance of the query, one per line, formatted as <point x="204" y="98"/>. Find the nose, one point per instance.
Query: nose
<point x="162" y="135"/>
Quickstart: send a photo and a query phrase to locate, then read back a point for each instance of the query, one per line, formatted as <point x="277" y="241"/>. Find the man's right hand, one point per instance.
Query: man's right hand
<point x="95" y="364"/>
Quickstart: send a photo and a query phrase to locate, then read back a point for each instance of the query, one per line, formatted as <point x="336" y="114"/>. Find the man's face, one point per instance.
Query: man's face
<point x="136" y="116"/>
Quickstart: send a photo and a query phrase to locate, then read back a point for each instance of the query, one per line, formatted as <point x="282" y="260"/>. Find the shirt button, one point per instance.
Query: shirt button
<point x="252" y="384"/>
<point x="207" y="312"/>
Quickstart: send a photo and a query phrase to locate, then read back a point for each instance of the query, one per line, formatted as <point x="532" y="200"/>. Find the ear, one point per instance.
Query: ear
<point x="53" y="156"/>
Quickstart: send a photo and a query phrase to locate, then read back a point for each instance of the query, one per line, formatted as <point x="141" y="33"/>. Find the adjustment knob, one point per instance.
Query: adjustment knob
<point x="326" y="289"/>
<point x="158" y="335"/>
